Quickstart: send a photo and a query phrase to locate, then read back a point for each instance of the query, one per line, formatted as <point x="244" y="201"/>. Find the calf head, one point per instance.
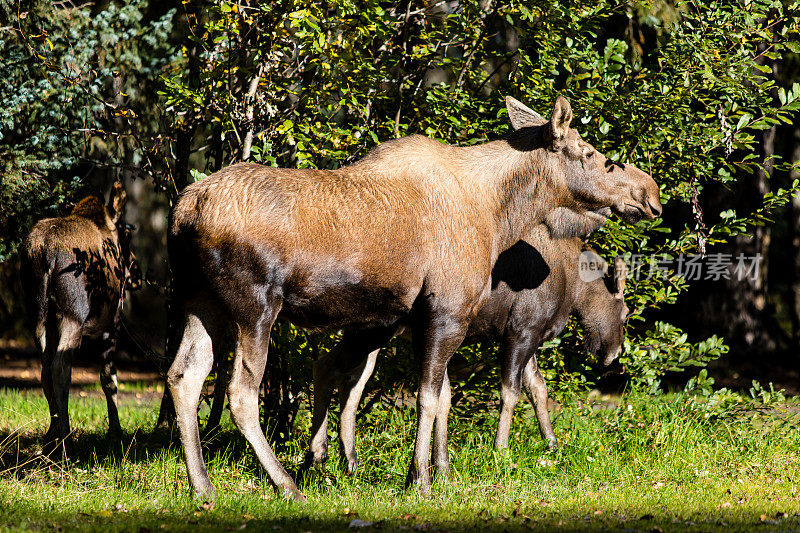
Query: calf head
<point x="116" y="207"/>
<point x="588" y="185"/>
<point x="603" y="312"/>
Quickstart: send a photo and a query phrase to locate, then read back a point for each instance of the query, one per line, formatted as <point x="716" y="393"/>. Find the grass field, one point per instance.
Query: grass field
<point x="638" y="463"/>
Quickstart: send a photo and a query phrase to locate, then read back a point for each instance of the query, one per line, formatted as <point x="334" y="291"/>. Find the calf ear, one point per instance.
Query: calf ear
<point x="560" y="118"/>
<point x="521" y="115"/>
<point x="116" y="202"/>
<point x="620" y="276"/>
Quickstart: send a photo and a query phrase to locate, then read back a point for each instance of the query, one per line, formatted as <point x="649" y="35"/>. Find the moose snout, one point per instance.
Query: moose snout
<point x="611" y="359"/>
<point x="654" y="204"/>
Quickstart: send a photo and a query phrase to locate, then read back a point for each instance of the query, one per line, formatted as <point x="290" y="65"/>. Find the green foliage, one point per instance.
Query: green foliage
<point x="66" y="78"/>
<point x="669" y="352"/>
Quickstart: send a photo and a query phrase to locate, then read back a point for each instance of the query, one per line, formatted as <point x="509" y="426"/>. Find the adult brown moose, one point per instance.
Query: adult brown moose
<point x="406" y="236"/>
<point x="536" y="285"/>
<point x="75" y="271"/>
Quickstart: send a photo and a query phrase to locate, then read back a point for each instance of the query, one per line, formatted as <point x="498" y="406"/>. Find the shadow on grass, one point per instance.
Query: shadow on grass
<point x="295" y="517"/>
<point x="22" y="454"/>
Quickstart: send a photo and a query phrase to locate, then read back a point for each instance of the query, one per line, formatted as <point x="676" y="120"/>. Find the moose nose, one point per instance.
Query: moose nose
<point x="655" y="206"/>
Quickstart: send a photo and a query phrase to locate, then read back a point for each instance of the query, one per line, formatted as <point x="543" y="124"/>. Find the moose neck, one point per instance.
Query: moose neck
<point x="520" y="179"/>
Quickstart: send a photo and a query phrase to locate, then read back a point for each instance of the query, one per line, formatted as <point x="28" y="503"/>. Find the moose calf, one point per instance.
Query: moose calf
<point x="75" y="271"/>
<point x="536" y="286"/>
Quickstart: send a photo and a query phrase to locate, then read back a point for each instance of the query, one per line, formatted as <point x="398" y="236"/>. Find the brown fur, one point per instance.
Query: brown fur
<point x="75" y="270"/>
<point x="406" y="236"/>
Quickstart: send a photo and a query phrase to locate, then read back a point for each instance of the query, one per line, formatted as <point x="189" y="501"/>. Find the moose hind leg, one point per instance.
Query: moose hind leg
<point x="47" y="342"/>
<point x="248" y="371"/>
<point x="108" y="380"/>
<point x="69" y="342"/>
<point x="185" y="378"/>
<point x="434" y="344"/>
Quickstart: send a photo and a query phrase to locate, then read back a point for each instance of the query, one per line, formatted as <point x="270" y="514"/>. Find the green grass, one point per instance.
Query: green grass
<point x="649" y="462"/>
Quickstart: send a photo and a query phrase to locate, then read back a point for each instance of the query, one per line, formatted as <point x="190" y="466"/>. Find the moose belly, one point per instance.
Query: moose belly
<point x="340" y="297"/>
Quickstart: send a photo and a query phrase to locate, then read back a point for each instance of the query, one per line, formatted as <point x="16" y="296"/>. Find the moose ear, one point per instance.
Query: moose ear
<point x="116" y="202"/>
<point x="620" y="276"/>
<point x="561" y="118"/>
<point x="521" y="115"/>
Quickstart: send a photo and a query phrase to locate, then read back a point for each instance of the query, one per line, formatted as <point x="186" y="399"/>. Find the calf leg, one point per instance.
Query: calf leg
<point x="108" y="380"/>
<point x="351" y="397"/>
<point x="185" y="378"/>
<point x="220" y="386"/>
<point x="47" y="339"/>
<point x="537" y="392"/>
<point x="248" y="371"/>
<point x="348" y="366"/>
<point x="69" y="342"/>
<point x="441" y="458"/>
<point x="166" y="411"/>
<point x="323" y="390"/>
<point x="517" y="349"/>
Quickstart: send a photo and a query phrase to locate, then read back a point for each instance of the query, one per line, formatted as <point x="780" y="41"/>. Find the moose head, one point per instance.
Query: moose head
<point x="587" y="185"/>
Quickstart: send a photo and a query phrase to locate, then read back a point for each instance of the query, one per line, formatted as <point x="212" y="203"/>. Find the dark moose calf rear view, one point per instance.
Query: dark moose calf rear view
<point x="75" y="271"/>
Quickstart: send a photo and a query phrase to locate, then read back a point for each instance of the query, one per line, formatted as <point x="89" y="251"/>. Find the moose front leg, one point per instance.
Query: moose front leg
<point x="220" y="386"/>
<point x="441" y="457"/>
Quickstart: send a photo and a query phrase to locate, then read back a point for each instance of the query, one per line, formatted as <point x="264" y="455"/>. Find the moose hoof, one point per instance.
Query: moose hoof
<point x="294" y="495"/>
<point x="423" y="487"/>
<point x="58" y="450"/>
<point x="352" y="466"/>
<point x="443" y="472"/>
<point x="115" y="434"/>
<point x="204" y="492"/>
<point x="421" y="484"/>
<point x="552" y="444"/>
<point x="317" y="455"/>
<point x="501" y="449"/>
<point x="311" y="460"/>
